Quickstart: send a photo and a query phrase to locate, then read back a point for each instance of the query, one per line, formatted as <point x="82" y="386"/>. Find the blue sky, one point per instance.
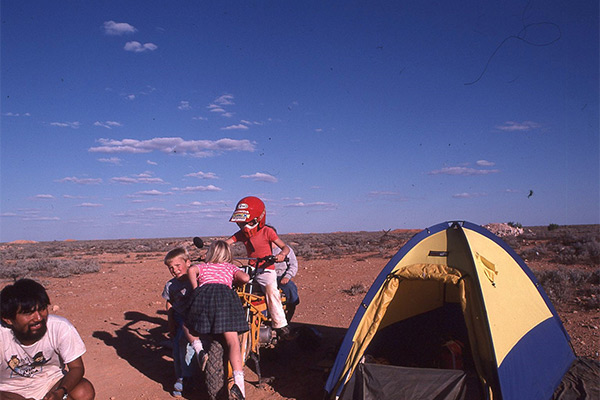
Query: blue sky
<point x="140" y="119"/>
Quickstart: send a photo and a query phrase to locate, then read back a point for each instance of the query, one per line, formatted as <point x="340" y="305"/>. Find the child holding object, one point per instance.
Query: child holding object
<point x="176" y="293"/>
<point x="250" y="216"/>
<point x="216" y="309"/>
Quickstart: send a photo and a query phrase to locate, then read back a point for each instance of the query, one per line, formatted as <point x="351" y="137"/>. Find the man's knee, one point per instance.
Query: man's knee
<point x="83" y="391"/>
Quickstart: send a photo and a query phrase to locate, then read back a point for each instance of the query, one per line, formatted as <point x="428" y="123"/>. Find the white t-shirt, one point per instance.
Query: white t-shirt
<point x="32" y="370"/>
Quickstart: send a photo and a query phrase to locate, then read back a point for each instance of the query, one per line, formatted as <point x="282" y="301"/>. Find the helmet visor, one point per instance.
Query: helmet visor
<point x="240" y="216"/>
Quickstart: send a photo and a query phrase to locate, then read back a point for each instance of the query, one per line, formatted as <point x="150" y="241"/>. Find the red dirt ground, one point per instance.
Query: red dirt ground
<point x="120" y="314"/>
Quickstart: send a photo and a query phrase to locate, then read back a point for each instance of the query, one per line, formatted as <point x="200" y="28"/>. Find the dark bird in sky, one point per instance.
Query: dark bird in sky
<point x="530" y="194"/>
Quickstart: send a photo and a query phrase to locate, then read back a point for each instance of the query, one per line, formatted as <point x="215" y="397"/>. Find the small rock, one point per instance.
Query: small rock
<point x="55" y="308"/>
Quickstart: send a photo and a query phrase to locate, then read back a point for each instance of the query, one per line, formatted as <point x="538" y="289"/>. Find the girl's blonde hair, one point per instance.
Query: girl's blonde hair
<point x="219" y="252"/>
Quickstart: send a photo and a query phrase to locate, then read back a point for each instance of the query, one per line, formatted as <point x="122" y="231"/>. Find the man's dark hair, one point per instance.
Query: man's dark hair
<point x="25" y="295"/>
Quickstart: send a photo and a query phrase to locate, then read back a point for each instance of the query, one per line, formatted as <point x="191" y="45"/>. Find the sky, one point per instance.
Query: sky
<point x="151" y="119"/>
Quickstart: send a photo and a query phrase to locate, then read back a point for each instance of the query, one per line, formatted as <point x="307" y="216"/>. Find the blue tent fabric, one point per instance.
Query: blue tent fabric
<point x="520" y="373"/>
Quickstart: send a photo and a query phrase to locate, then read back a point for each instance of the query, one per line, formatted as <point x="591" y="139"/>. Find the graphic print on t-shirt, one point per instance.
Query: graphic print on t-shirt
<point x="27" y="367"/>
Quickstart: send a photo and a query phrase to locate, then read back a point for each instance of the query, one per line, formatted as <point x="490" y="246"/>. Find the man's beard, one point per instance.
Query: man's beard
<point x="32" y="337"/>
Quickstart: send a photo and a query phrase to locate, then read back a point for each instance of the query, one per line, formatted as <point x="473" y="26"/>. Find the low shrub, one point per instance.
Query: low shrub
<point x="562" y="283"/>
<point x="55" y="268"/>
<point x="357" y="288"/>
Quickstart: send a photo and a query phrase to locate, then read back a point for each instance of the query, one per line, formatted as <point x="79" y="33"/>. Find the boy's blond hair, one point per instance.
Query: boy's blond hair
<point x="177" y="252"/>
<point x="219" y="252"/>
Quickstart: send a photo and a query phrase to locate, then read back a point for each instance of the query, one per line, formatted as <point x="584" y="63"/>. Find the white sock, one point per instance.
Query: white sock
<point x="178" y="385"/>
<point x="238" y="379"/>
<point x="197" y="345"/>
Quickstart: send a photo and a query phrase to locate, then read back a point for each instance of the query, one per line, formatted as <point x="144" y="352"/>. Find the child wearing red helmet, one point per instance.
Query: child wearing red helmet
<point x="250" y="215"/>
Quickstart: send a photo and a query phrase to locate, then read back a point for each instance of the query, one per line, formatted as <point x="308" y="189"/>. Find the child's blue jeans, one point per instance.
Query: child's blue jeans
<point x="183" y="351"/>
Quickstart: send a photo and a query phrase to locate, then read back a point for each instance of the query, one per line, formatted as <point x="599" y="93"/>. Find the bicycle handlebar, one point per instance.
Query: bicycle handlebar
<point x="266" y="261"/>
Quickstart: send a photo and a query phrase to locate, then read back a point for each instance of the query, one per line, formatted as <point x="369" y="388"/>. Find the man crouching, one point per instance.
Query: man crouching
<point x="36" y="347"/>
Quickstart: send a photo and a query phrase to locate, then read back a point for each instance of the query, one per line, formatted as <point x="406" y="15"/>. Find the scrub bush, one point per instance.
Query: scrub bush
<point x="55" y="268"/>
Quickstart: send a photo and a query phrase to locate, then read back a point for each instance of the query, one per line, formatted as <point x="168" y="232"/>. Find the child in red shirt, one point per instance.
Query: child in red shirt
<point x="250" y="215"/>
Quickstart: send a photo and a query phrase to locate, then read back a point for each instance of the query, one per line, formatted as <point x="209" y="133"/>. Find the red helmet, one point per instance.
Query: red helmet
<point x="250" y="215"/>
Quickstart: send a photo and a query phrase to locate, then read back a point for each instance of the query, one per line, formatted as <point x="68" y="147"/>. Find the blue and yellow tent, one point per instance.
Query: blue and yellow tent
<point x="453" y="282"/>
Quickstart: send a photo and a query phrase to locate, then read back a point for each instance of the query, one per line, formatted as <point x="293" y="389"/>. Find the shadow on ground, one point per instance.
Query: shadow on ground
<point x="299" y="368"/>
<point x="295" y="369"/>
<point x="139" y="343"/>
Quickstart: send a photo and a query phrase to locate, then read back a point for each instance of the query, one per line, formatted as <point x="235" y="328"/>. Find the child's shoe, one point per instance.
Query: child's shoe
<point x="178" y="388"/>
<point x="285" y="333"/>
<point x="235" y="393"/>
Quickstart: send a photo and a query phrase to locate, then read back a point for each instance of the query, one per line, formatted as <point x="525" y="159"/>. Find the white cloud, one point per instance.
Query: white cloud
<point x="44" y="197"/>
<point x="137" y="47"/>
<point x="198" y="148"/>
<point x="130" y="97"/>
<point x="184" y="105"/>
<point x="203" y="175"/>
<point x="463" y="171"/>
<point x="225" y="100"/>
<point x="321" y="205"/>
<point x="511" y="126"/>
<point x="118" y="28"/>
<point x="215" y="108"/>
<point x="73" y="125"/>
<point x="378" y="194"/>
<point x="81" y="181"/>
<point x="90" y="205"/>
<point x="107" y="124"/>
<point x="200" y="118"/>
<point x="260" y="176"/>
<point x="485" y="163"/>
<point x="41" y="219"/>
<point x="124" y="180"/>
<point x="111" y="160"/>
<point x="140" y="178"/>
<point x="153" y="192"/>
<point x="234" y="127"/>
<point x="151" y="162"/>
<point x="218" y="105"/>
<point x="10" y="114"/>
<point x="225" y="204"/>
<point x="468" y="195"/>
<point x="209" y="188"/>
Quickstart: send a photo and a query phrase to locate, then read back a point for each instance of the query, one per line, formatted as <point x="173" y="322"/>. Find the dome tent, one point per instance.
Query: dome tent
<point x="453" y="282"/>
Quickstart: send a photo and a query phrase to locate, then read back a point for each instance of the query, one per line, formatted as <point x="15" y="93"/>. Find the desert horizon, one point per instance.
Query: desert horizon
<point x="111" y="291"/>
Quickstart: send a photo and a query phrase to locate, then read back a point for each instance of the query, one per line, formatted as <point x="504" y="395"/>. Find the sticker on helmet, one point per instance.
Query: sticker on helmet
<point x="240" y="216"/>
<point x="242" y="206"/>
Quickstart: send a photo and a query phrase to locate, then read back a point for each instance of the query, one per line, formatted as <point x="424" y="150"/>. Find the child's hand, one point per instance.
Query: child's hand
<point x="279" y="258"/>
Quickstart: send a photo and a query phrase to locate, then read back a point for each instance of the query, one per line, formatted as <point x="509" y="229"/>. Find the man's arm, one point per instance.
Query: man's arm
<point x="12" y="396"/>
<point x="69" y="382"/>
<point x="292" y="269"/>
